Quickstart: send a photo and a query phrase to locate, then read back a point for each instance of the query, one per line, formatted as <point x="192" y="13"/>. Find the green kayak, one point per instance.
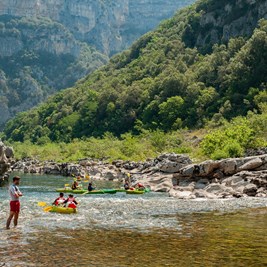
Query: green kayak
<point x="68" y="190"/>
<point x="109" y="191"/>
<point x="120" y="190"/>
<point x="146" y="190"/>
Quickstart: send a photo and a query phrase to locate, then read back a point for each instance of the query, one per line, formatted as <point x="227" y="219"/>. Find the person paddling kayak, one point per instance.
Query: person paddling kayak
<point x="71" y="202"/>
<point x="60" y="200"/>
<point x="75" y="184"/>
<point x="126" y="185"/>
<point x="15" y="194"/>
<point x="90" y="187"/>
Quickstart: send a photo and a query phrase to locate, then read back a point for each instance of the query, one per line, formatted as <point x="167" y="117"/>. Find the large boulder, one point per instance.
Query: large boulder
<point x="172" y="163"/>
<point x="251" y="165"/>
<point x="228" y="166"/>
<point x="9" y="152"/>
<point x="4" y="163"/>
<point x="170" y="166"/>
<point x="201" y="183"/>
<point x="250" y="190"/>
<point x="4" y="160"/>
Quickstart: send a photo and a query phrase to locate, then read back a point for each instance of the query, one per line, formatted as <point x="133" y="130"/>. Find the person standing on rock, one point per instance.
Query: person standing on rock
<point x="15" y="194"/>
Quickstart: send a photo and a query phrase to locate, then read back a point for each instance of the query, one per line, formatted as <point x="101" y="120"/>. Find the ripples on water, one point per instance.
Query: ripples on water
<point x="130" y="230"/>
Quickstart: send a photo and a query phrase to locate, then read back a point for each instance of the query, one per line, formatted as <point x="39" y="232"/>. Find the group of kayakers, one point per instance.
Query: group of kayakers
<point x="75" y="185"/>
<point x="137" y="186"/>
<point x="69" y="202"/>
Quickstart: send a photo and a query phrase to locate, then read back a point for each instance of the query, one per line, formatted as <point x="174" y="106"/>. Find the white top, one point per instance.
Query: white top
<point x="13" y="191"/>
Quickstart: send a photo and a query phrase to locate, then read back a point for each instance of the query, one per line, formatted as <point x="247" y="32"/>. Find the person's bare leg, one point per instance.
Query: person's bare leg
<point x="9" y="219"/>
<point x="16" y="217"/>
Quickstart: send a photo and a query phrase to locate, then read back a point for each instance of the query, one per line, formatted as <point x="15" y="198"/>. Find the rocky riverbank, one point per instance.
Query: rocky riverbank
<point x="6" y="155"/>
<point x="172" y="173"/>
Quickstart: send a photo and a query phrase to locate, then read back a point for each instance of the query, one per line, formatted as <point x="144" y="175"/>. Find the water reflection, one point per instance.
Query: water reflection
<point x="204" y="240"/>
<point x="122" y="230"/>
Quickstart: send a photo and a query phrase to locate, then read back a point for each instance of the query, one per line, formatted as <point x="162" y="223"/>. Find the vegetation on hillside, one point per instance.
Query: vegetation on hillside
<point x="230" y="139"/>
<point x="162" y="85"/>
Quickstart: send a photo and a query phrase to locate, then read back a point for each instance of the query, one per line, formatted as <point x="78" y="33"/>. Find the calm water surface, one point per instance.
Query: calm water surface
<point x="131" y="230"/>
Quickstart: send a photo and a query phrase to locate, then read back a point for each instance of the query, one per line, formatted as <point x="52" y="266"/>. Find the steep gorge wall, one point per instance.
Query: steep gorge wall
<point x="218" y="21"/>
<point x="110" y="26"/>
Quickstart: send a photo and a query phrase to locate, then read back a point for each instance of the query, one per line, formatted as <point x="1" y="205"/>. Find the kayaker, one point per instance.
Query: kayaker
<point x="126" y="185"/>
<point x="139" y="186"/>
<point x="15" y="194"/>
<point x="60" y="200"/>
<point x="74" y="185"/>
<point x="71" y="202"/>
<point x="90" y="187"/>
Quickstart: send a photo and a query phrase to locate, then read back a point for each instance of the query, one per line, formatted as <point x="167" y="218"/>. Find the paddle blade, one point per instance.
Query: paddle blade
<point x="47" y="209"/>
<point x="67" y="185"/>
<point x="42" y="204"/>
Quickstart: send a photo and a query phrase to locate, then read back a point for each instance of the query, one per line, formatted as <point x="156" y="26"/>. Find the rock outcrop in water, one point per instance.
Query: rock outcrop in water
<point x="233" y="177"/>
<point x="6" y="153"/>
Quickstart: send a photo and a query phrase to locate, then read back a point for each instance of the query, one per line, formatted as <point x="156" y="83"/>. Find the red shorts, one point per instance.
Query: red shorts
<point x="15" y="206"/>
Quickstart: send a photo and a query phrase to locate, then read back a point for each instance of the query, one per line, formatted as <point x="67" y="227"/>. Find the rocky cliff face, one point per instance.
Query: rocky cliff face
<point x="223" y="20"/>
<point x="39" y="57"/>
<point x="110" y="26"/>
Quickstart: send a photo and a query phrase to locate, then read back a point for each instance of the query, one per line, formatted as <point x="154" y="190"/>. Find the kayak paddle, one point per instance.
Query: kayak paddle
<point x="42" y="204"/>
<point x="47" y="209"/>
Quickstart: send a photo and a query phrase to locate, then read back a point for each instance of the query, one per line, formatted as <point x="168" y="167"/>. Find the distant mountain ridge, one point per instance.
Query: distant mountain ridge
<point x="110" y="26"/>
<point x="37" y="58"/>
<point x="48" y="45"/>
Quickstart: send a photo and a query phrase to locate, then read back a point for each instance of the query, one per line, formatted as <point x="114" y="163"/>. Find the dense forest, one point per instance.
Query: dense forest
<point x="164" y="83"/>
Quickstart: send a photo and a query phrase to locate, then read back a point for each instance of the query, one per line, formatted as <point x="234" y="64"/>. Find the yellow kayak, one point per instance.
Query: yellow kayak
<point x="61" y="209"/>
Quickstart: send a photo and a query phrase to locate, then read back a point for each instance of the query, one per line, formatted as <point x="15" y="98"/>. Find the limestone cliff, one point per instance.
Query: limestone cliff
<point x="218" y="21"/>
<point x="39" y="57"/>
<point x="110" y="26"/>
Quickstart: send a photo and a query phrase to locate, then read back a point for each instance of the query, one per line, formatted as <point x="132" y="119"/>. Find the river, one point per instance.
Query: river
<point x="132" y="230"/>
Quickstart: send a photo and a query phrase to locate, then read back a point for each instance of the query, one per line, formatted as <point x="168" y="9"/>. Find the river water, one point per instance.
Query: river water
<point x="132" y="230"/>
